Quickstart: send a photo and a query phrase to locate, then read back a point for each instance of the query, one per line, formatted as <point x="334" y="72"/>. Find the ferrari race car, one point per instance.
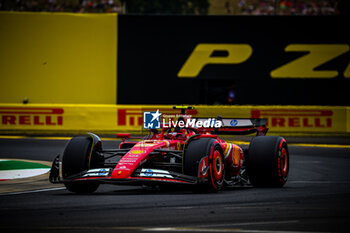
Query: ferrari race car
<point x="189" y="155"/>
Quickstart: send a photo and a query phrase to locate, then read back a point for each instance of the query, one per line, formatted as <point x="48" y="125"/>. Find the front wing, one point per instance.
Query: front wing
<point x="139" y="176"/>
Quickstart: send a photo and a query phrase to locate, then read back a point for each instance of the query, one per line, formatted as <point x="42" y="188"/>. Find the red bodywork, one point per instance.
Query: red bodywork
<point x="167" y="139"/>
<point x="142" y="161"/>
<point x="141" y="150"/>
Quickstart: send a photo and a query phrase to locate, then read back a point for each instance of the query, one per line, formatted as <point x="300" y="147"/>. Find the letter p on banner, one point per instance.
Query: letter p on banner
<point x="201" y="56"/>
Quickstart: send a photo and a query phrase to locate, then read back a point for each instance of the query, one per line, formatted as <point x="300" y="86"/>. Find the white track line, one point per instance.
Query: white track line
<point x="32" y="191"/>
<point x="246" y="224"/>
<point x="185" y="229"/>
<point x="160" y="229"/>
<point x="229" y="227"/>
<point x="318" y="182"/>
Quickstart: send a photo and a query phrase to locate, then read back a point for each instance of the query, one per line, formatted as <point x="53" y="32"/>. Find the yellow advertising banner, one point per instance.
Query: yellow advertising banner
<point x="58" y="57"/>
<point x="70" y="118"/>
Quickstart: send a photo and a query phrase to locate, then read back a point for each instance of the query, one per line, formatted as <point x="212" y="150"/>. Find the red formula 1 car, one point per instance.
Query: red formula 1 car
<point x="176" y="155"/>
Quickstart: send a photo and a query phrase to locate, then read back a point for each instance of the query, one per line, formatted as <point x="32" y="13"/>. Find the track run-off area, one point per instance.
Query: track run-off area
<point x="316" y="197"/>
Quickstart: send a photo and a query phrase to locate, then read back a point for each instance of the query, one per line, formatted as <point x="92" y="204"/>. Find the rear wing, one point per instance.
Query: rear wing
<point x="238" y="126"/>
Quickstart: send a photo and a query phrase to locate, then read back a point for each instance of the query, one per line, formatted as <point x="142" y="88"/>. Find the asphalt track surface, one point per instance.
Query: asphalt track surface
<point x="316" y="198"/>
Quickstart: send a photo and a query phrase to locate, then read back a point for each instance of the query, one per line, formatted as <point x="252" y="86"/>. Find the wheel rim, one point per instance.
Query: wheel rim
<point x="218" y="166"/>
<point x="284" y="162"/>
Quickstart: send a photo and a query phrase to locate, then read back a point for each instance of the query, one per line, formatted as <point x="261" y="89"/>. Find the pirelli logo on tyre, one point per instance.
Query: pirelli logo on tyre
<point x="299" y="119"/>
<point x="23" y="116"/>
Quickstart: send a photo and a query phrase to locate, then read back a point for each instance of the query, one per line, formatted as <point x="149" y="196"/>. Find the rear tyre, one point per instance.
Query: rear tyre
<point x="195" y="152"/>
<point x="268" y="161"/>
<point x="78" y="156"/>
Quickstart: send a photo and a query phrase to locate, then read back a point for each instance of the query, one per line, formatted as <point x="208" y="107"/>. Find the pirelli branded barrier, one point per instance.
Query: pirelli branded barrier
<point x="35" y="118"/>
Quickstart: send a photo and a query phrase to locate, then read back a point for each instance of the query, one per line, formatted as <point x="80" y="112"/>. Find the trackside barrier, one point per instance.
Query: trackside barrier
<point x="74" y="118"/>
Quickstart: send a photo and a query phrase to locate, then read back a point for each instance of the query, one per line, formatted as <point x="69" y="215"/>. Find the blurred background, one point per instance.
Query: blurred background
<point x="198" y="7"/>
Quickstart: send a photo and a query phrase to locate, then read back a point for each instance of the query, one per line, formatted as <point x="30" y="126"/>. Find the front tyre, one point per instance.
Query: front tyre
<point x="79" y="156"/>
<point x="268" y="161"/>
<point x="204" y="157"/>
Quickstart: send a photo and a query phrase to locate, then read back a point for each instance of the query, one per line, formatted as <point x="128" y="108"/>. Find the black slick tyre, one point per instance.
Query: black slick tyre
<point x="78" y="157"/>
<point x="209" y="150"/>
<point x="268" y="161"/>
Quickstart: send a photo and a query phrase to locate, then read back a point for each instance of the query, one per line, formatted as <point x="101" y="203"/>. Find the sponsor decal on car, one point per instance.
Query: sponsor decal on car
<point x="136" y="152"/>
<point x="146" y="144"/>
<point x="97" y="172"/>
<point x="146" y="172"/>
